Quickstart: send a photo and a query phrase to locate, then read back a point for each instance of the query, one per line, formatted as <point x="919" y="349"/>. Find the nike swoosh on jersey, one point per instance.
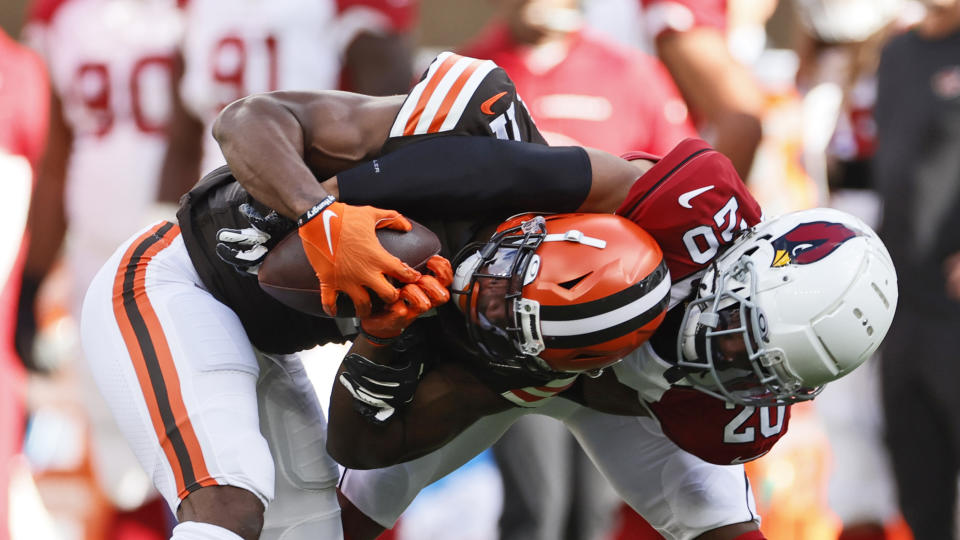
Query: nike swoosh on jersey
<point x="485" y="106"/>
<point x="685" y="199"/>
<point x="738" y="460"/>
<point x="327" y="214"/>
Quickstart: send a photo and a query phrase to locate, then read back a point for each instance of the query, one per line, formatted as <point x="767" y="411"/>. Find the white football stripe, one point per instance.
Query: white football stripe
<point x="440" y="93"/>
<point x="414" y="96"/>
<point x="460" y="104"/>
<point x="611" y="318"/>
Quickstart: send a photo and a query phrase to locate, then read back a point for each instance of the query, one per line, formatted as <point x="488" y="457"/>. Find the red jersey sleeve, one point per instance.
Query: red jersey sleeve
<point x="693" y="203"/>
<point x="660" y="16"/>
<point x="34" y="106"/>
<point x="26" y="104"/>
<point x="717" y="431"/>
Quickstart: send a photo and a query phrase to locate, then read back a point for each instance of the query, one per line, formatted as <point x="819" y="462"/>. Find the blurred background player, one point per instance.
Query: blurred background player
<point x="559" y="68"/>
<point x="118" y="78"/>
<point x="838" y="43"/>
<point x="111" y="63"/>
<point x="917" y="171"/>
<point x="690" y="37"/>
<point x="24" y="95"/>
<point x="232" y="49"/>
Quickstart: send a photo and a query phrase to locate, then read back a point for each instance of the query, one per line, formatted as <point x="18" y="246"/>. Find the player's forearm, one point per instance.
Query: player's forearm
<point x="448" y="400"/>
<point x="608" y="395"/>
<point x="263" y="143"/>
<point x="465" y="177"/>
<point x="46" y="220"/>
<point x="731" y="105"/>
<point x="181" y="162"/>
<point x="425" y="425"/>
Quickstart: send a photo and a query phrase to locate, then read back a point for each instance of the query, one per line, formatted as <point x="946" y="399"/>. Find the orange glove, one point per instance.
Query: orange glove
<point x="440" y="267"/>
<point x="341" y="243"/>
<point x="415" y="300"/>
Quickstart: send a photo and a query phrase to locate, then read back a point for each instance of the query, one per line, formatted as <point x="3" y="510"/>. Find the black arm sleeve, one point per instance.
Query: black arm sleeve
<point x="466" y="177"/>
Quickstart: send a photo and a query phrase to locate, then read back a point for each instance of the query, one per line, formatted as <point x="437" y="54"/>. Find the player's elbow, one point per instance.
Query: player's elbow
<point x="237" y="116"/>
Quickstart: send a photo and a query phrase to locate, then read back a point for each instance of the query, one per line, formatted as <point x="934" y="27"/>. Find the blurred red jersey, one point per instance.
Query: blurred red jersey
<point x="24" y="100"/>
<point x="579" y="100"/>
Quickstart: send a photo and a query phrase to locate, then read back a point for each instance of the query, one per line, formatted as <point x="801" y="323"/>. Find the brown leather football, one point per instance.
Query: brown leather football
<point x="286" y="274"/>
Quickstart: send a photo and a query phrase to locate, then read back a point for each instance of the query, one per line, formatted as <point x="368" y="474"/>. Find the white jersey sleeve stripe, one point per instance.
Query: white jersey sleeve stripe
<point x="463" y="97"/>
<point x="406" y="111"/>
<point x="438" y="101"/>
<point x="435" y="99"/>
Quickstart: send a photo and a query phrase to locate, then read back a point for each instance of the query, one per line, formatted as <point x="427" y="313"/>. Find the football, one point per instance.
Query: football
<point x="286" y="274"/>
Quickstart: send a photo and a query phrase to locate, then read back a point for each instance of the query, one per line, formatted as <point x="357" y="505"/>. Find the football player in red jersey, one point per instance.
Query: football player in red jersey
<point x="24" y="107"/>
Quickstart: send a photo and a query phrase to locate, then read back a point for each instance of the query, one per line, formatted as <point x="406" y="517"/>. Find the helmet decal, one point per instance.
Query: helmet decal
<point x="810" y="242"/>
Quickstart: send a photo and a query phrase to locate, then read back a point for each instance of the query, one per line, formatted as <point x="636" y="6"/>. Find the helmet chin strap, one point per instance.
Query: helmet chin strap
<point x="461" y="278"/>
<point x="688" y="334"/>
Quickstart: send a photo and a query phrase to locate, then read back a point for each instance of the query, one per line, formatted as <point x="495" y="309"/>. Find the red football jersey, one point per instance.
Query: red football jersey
<point x="693" y="202"/>
<point x="574" y="103"/>
<point x="717" y="431"/>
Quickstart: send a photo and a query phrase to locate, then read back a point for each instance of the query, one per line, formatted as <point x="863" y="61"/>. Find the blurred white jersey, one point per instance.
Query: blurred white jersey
<point x="110" y="62"/>
<point x="233" y="48"/>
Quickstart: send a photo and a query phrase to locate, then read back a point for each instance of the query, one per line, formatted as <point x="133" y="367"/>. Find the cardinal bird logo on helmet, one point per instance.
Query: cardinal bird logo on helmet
<point x="810" y="242"/>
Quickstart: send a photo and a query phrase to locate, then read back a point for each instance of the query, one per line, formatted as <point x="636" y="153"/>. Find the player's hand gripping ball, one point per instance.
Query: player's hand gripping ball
<point x="430" y="291"/>
<point x="288" y="275"/>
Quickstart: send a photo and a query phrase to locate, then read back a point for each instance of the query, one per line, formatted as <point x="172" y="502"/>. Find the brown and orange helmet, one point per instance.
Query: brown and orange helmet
<point x="562" y="292"/>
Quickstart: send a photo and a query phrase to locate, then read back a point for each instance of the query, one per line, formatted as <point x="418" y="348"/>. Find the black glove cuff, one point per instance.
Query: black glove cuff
<point x="315" y="210"/>
<point x="396" y="383"/>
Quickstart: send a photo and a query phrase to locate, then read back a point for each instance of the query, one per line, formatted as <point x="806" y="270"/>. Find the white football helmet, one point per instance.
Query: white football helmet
<point x="796" y="302"/>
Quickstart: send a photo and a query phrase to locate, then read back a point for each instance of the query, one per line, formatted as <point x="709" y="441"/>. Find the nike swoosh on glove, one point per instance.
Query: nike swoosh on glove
<point x="379" y="390"/>
<point x="341" y="243"/>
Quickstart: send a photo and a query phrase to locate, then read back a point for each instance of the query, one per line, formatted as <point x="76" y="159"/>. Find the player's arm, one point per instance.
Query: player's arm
<point x="381" y="411"/>
<point x="466" y="177"/>
<point x="731" y="103"/>
<point x="606" y="394"/>
<point x="274" y="144"/>
<point x="447" y="400"/>
<point x="181" y="162"/>
<point x="46" y="226"/>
